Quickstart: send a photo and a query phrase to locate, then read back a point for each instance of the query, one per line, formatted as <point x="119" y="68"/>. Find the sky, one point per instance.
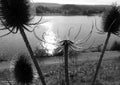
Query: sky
<point x="91" y="2"/>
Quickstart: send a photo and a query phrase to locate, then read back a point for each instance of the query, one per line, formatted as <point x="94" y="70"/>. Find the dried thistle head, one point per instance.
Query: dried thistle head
<point x="15" y="13"/>
<point x="111" y="20"/>
<point x="23" y="70"/>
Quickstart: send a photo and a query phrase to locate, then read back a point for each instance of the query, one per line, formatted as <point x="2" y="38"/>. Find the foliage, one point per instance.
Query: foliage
<point x="4" y="57"/>
<point x="82" y="73"/>
<point x="41" y="53"/>
<point x="115" y="46"/>
<point x="41" y="9"/>
<point x="71" y="9"/>
<point x="73" y="53"/>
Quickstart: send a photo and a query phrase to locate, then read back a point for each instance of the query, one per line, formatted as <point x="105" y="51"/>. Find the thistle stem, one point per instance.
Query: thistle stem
<point x="66" y="64"/>
<point x="32" y="56"/>
<point x="101" y="57"/>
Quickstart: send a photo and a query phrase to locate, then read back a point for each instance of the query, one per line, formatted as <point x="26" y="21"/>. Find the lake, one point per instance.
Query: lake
<point x="58" y="26"/>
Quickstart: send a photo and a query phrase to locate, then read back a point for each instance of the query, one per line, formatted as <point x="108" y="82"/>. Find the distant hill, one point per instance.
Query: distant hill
<point x="51" y="5"/>
<point x="68" y="9"/>
<point x="59" y="5"/>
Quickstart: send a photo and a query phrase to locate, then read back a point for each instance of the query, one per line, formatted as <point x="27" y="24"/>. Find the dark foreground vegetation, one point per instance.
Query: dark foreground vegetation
<point x="81" y="73"/>
<point x="115" y="46"/>
<point x="16" y="17"/>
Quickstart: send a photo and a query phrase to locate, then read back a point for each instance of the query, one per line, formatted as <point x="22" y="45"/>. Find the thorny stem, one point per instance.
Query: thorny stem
<point x="32" y="56"/>
<point x="66" y="63"/>
<point x="101" y="57"/>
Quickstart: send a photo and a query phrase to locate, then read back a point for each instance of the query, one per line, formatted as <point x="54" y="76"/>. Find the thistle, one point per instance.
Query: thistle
<point x="23" y="71"/>
<point x="16" y="17"/>
<point x="111" y="24"/>
<point x="111" y="20"/>
<point x="64" y="45"/>
<point x="15" y="13"/>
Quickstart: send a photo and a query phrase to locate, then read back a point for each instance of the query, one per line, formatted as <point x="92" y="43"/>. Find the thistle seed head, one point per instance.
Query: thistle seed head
<point x="15" y="13"/>
<point x="111" y="20"/>
<point x="23" y="71"/>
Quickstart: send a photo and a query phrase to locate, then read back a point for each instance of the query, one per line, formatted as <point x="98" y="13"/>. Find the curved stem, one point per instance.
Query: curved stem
<point x="32" y="56"/>
<point x="101" y="57"/>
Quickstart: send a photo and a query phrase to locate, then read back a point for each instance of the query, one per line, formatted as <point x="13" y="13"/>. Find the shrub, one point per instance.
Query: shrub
<point x="4" y="57"/>
<point x="115" y="46"/>
<point x="40" y="53"/>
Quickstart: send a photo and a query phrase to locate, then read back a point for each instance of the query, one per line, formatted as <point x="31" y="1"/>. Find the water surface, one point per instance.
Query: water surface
<point x="60" y="25"/>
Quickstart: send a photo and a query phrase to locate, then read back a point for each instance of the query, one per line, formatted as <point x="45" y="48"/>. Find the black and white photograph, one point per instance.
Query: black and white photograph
<point x="59" y="42"/>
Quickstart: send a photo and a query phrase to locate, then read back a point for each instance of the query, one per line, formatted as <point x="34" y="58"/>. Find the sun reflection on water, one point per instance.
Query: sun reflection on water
<point x="49" y="37"/>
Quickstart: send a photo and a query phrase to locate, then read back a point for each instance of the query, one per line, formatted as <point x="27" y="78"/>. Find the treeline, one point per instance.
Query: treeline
<point x="71" y="10"/>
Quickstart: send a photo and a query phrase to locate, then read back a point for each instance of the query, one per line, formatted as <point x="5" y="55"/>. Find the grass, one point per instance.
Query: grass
<point x="81" y="73"/>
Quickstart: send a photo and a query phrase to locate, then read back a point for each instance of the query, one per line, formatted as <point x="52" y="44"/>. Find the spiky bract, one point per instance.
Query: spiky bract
<point x="15" y="13"/>
<point x="111" y="20"/>
<point x="23" y="71"/>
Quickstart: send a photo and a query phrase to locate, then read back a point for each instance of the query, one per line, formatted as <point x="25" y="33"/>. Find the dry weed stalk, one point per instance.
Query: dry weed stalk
<point x="65" y="45"/>
<point x="16" y="17"/>
<point x="111" y="24"/>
